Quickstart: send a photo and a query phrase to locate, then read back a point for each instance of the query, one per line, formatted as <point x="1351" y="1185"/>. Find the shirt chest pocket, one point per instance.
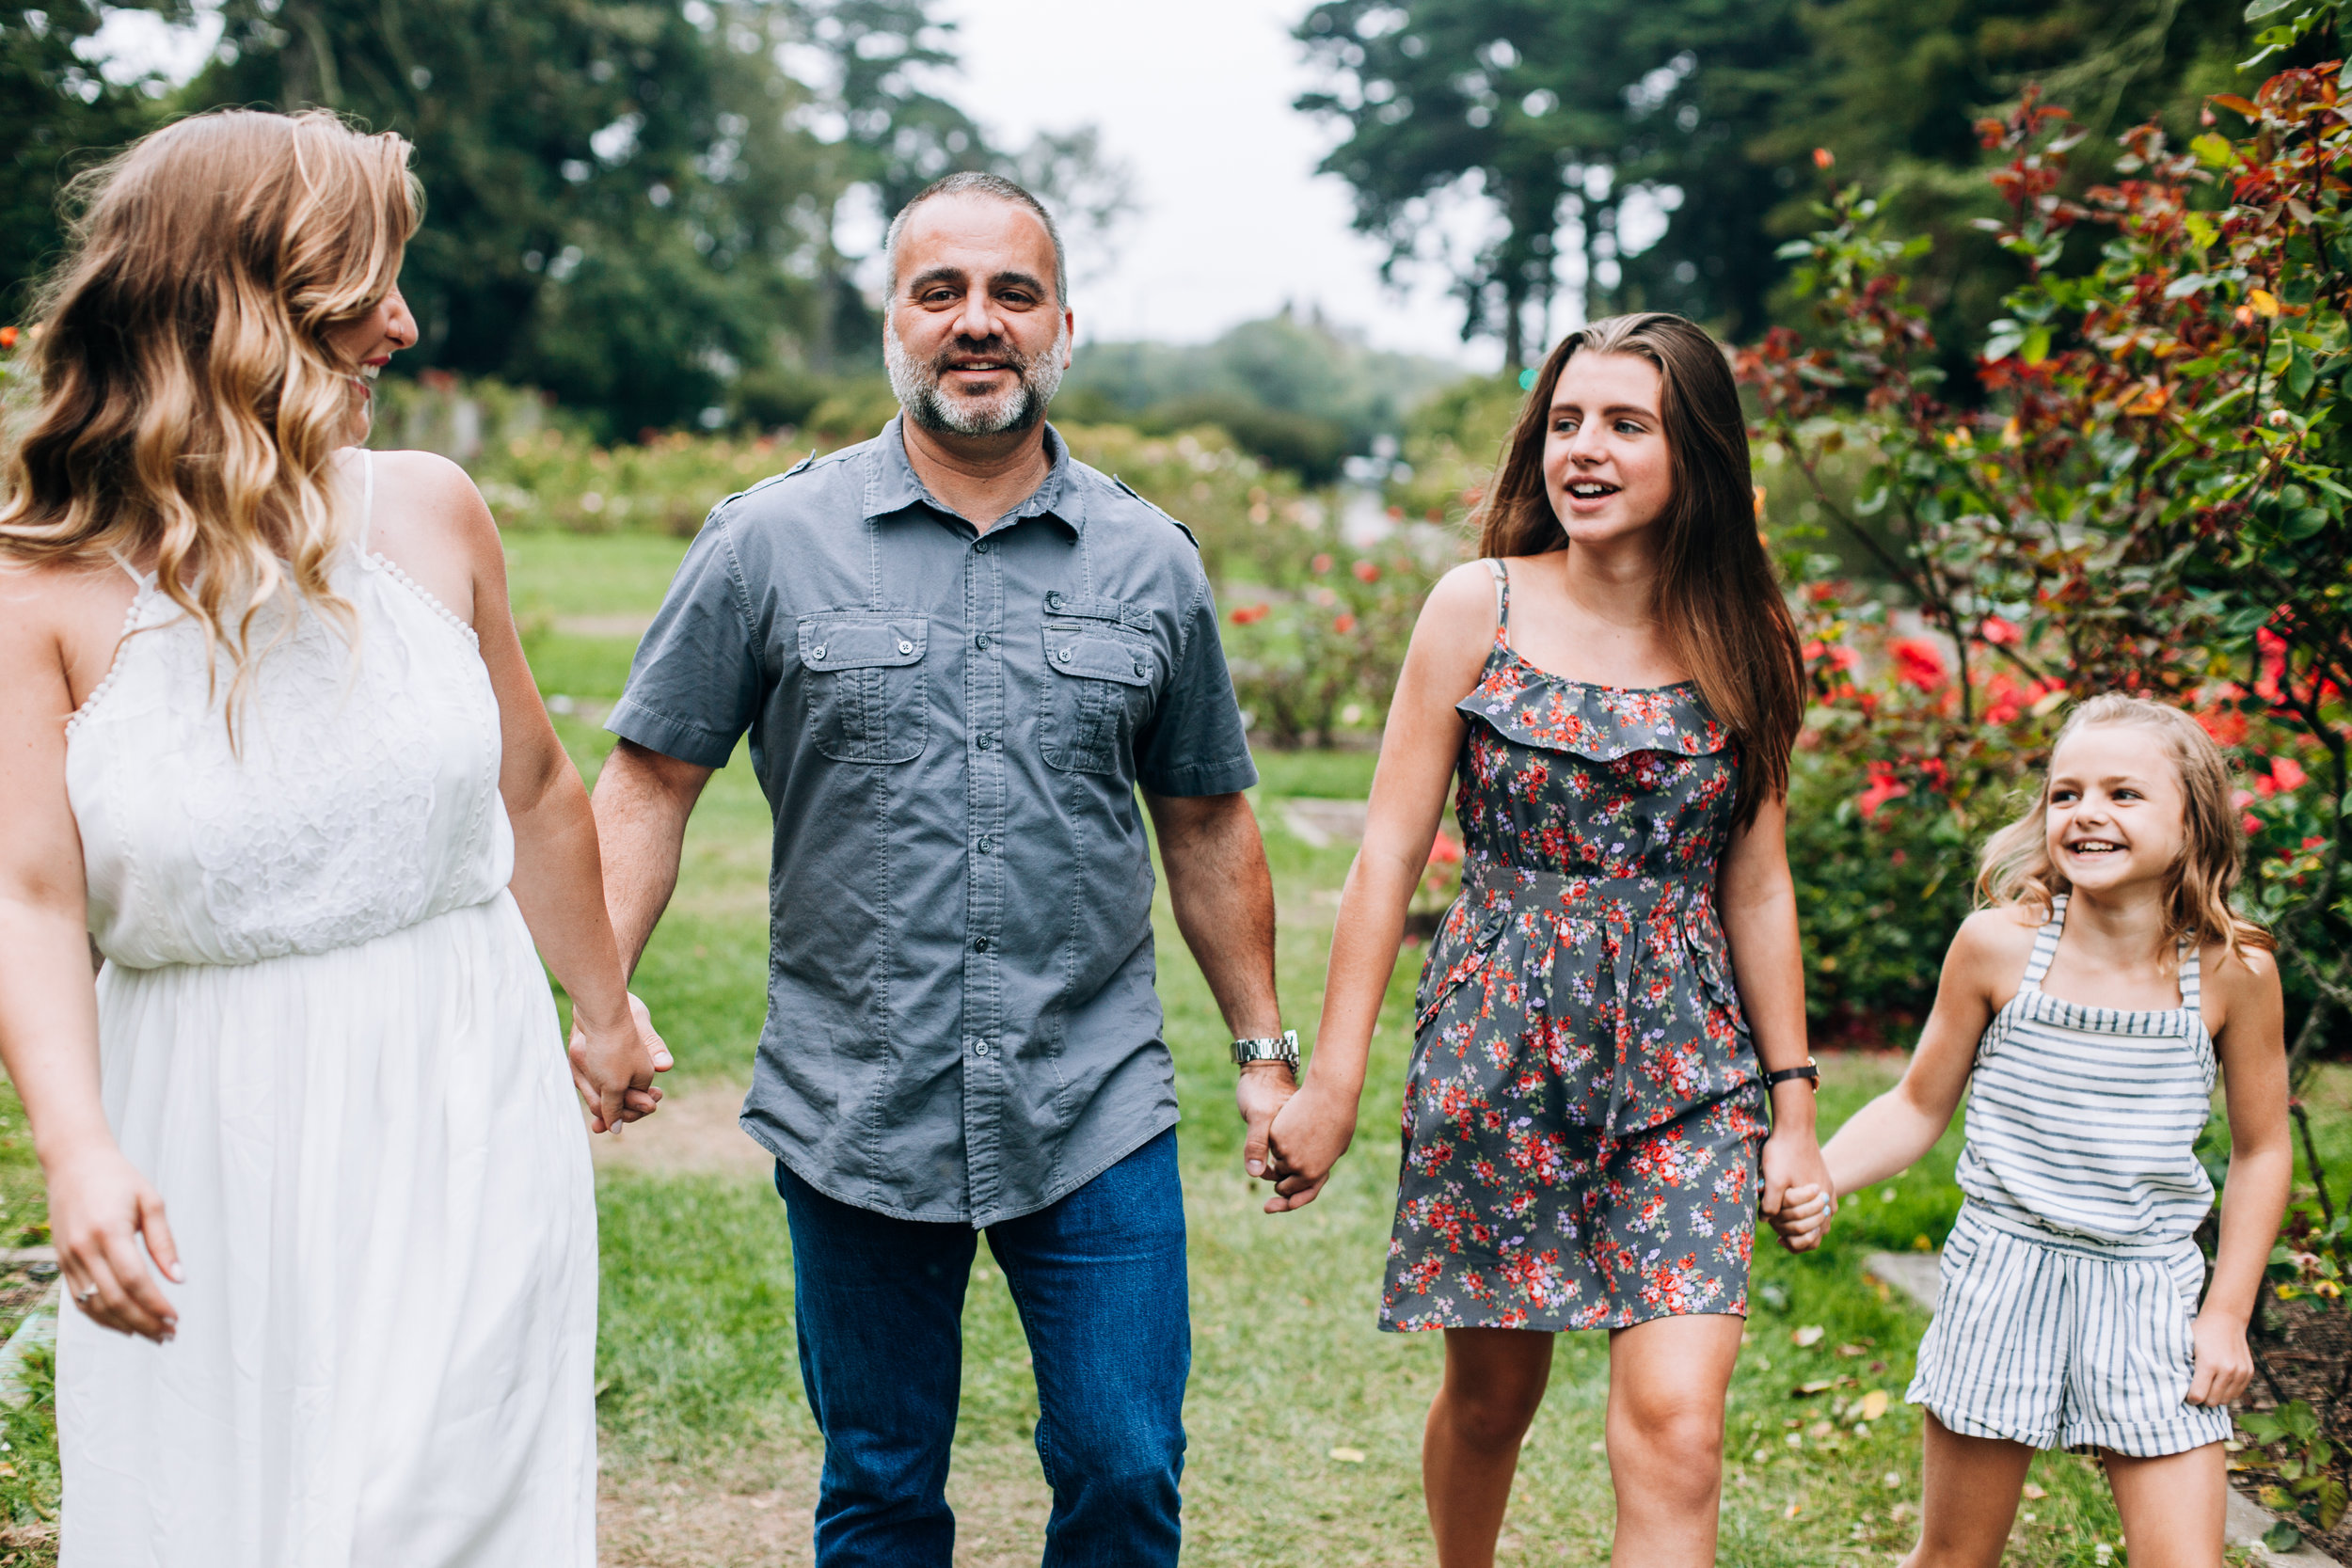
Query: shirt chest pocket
<point x="863" y="672"/>
<point x="1103" y="674"/>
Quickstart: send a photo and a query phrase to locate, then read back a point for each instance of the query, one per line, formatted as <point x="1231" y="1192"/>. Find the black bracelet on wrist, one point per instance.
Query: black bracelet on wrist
<point x="1810" y="1070"/>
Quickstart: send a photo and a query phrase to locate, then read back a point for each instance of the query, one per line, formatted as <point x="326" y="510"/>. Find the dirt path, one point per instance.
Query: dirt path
<point x="756" y="1509"/>
<point x="695" y="1134"/>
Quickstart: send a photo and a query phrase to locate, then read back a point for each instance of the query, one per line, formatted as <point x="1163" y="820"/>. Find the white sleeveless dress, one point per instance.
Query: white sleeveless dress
<point x="325" y="1036"/>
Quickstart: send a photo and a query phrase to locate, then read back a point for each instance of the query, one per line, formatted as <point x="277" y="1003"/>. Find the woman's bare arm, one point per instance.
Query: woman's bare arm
<point x="99" y="1206"/>
<point x="559" y="877"/>
<point x="1758" y="902"/>
<point x="1417" y="756"/>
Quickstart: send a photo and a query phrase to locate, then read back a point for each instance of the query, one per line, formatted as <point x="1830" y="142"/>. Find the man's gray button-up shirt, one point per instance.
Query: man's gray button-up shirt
<point x="950" y="729"/>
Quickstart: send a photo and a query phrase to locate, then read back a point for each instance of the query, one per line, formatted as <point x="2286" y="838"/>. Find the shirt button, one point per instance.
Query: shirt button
<point x="1052" y="599"/>
<point x="817" y="652"/>
<point x="905" y="646"/>
<point x="980" y="1048"/>
<point x="980" y="641"/>
<point x="1142" y="669"/>
<point x="987" y="845"/>
<point x="979" y="945"/>
<point x="979" y="547"/>
<point x="987" y="740"/>
<point x="1061" y="656"/>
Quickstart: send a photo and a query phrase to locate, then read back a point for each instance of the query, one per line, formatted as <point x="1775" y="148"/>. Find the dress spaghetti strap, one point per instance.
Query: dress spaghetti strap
<point x="2192" y="981"/>
<point x="2045" y="946"/>
<point x="1502" y="600"/>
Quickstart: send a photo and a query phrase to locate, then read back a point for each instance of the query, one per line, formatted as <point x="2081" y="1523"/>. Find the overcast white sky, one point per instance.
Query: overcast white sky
<point x="1195" y="98"/>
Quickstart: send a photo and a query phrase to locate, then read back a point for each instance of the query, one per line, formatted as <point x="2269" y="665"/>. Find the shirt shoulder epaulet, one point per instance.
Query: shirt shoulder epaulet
<point x="1156" y="508"/>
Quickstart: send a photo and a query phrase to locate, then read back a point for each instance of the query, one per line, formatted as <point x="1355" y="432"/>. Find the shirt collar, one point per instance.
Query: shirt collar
<point x="891" y="484"/>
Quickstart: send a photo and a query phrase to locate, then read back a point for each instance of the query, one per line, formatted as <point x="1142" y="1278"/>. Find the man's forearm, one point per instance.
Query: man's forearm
<point x="1223" y="896"/>
<point x="642" y="803"/>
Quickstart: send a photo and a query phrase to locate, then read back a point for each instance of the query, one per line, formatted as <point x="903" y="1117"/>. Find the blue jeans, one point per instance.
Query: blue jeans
<point x="1099" y="1278"/>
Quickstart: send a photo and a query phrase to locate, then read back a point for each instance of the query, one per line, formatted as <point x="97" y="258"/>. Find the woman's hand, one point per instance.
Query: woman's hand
<point x="100" y="1208"/>
<point x="1794" y="1172"/>
<point x="613" y="1064"/>
<point x="1309" y="1133"/>
<point x="2224" y="1364"/>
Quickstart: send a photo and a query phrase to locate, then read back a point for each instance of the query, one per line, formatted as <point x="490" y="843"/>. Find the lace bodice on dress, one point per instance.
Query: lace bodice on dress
<point x="362" y="797"/>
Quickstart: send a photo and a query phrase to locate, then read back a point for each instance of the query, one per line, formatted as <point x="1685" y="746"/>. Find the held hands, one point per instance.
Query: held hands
<point x="1264" y="1088"/>
<point x="1799" y="1196"/>
<point x="2224" y="1366"/>
<point x="1309" y="1133"/>
<point x="613" y="1064"/>
<point x="100" y="1209"/>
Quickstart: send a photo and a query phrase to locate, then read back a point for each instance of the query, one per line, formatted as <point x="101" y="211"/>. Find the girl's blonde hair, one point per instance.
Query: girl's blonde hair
<point x="2016" y="867"/>
<point x="189" y="405"/>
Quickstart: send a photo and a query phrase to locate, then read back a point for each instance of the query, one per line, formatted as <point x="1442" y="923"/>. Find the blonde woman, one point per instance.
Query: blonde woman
<point x="319" y="1193"/>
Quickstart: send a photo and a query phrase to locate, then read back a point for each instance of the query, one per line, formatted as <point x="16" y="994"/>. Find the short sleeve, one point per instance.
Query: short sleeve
<point x="694" y="686"/>
<point x="1196" y="745"/>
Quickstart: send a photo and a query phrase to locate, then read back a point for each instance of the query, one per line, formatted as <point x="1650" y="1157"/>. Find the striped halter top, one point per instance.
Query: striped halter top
<point x="2082" y="1121"/>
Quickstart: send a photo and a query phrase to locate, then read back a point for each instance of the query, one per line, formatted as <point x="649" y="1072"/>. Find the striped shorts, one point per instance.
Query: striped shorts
<point x="2064" y="1345"/>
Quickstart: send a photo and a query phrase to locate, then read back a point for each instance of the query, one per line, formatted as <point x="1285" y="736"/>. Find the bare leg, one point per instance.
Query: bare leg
<point x="1970" y="1499"/>
<point x="2172" y="1507"/>
<point x="1494" y="1381"/>
<point x="1667" y="1378"/>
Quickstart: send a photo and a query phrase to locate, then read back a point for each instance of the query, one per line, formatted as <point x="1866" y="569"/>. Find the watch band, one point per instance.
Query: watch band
<point x="1282" y="1048"/>
<point x="1811" y="1069"/>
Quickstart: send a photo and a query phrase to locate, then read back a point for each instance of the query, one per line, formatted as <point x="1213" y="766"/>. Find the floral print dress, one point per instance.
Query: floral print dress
<point x="1584" y="1108"/>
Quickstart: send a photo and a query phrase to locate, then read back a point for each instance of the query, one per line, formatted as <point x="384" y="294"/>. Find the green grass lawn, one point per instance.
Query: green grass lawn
<point x="699" y="1383"/>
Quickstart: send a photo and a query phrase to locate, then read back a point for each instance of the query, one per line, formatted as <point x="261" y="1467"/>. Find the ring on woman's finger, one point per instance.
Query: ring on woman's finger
<point x="85" y="1296"/>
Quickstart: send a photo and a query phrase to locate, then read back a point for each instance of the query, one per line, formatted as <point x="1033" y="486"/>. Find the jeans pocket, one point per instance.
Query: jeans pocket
<point x="862" y="673"/>
<point x="1099" y="694"/>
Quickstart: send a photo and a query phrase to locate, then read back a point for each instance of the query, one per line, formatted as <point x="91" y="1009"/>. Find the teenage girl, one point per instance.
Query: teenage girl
<point x="2086" y="1010"/>
<point x="1610" y="1034"/>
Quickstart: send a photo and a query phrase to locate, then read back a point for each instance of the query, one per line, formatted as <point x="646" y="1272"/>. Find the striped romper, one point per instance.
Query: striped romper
<point x="2071" y="1277"/>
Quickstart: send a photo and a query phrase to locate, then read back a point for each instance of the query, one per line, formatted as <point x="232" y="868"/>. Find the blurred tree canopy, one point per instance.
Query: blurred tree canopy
<point x="54" y="104"/>
<point x="1667" y="151"/>
<point x="631" y="205"/>
<point x="1290" y="389"/>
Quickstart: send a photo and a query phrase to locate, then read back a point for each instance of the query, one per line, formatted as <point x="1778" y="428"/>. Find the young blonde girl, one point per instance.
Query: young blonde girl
<point x="2086" y="1009"/>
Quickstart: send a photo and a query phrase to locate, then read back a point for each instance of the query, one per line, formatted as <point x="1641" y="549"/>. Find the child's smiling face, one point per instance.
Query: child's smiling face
<point x="2115" y="815"/>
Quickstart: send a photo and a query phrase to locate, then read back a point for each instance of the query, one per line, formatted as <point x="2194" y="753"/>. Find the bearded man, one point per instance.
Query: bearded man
<point x="958" y="651"/>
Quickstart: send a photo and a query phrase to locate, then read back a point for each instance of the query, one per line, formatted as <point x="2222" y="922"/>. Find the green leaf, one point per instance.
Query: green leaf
<point x="2282" y="1537"/>
<point x="1794" y="249"/>
<point x="2330" y="1499"/>
<point x="2260" y="8"/>
<point x="2213" y="150"/>
<point x="2300" y="374"/>
<point x="2037" y="345"/>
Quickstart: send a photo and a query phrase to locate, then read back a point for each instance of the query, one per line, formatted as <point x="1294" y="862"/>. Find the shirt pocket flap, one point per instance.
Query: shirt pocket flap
<point x="861" y="642"/>
<point x="1087" y="653"/>
<point x="1133" y="617"/>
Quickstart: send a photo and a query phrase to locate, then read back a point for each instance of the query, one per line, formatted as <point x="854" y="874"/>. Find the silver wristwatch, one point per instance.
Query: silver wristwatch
<point x="1282" y="1048"/>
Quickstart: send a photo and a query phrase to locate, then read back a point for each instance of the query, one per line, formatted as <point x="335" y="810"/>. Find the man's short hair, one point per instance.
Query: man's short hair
<point x="973" y="182"/>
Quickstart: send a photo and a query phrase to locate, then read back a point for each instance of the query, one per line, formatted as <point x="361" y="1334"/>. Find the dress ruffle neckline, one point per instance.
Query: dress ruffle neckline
<point x="1537" y="709"/>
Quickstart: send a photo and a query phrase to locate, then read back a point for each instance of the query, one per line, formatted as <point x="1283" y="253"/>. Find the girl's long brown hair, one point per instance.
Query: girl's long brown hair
<point x="189" y="405"/>
<point x="2017" y="867"/>
<point x="1717" y="600"/>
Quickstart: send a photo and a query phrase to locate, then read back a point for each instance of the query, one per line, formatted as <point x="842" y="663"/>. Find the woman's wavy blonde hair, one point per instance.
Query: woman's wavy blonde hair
<point x="2016" y="867"/>
<point x="189" y="403"/>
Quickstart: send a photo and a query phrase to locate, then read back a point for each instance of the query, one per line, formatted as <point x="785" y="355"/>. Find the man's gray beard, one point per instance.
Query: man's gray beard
<point x="1018" y="407"/>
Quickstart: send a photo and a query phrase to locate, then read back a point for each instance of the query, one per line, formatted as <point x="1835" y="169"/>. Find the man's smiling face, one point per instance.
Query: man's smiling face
<point x="976" y="339"/>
